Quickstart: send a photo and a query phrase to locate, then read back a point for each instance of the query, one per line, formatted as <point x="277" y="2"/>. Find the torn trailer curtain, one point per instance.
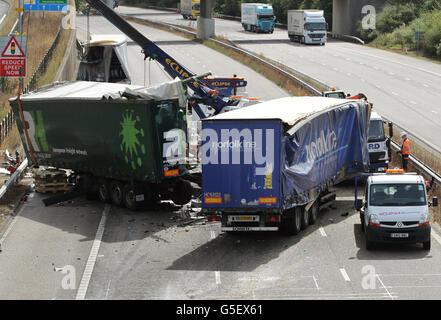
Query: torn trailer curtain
<point x="315" y="143"/>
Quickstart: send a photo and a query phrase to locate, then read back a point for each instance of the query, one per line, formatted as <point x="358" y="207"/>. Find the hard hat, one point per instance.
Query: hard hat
<point x="403" y="133"/>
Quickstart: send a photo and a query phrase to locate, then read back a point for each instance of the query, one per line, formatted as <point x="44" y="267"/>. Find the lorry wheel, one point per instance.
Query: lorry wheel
<point x="129" y="197"/>
<point x="313" y="213"/>
<point x="181" y="192"/>
<point x="426" y="245"/>
<point x="104" y="191"/>
<point x="305" y="218"/>
<point x="253" y="29"/>
<point x="116" y="193"/>
<point x="293" y="221"/>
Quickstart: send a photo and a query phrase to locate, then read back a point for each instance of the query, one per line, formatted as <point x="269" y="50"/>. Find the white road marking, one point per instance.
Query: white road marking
<point x="394" y="93"/>
<point x="384" y="287"/>
<point x="217" y="276"/>
<point x="11" y="225"/>
<point x="87" y="274"/>
<point x="433" y="111"/>
<point x="322" y="232"/>
<point x="412" y="102"/>
<point x="212" y="234"/>
<point x="3" y="18"/>
<point x="108" y="289"/>
<point x="435" y="235"/>
<point x="407" y="79"/>
<point x="316" y="282"/>
<point x="344" y="274"/>
<point x="426" y="85"/>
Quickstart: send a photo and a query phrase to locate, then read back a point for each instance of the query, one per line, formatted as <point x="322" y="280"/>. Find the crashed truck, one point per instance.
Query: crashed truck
<point x="270" y="166"/>
<point x="103" y="58"/>
<point x="125" y="143"/>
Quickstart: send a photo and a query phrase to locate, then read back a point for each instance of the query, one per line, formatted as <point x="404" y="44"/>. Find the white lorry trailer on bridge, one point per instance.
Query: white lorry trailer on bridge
<point x="307" y="26"/>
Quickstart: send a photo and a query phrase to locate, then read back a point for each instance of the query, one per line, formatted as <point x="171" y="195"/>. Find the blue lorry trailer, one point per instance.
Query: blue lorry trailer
<point x="269" y="166"/>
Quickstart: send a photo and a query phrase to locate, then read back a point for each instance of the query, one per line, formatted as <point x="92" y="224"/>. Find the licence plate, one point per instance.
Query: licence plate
<point x="243" y="218"/>
<point x="399" y="235"/>
<point x="241" y="229"/>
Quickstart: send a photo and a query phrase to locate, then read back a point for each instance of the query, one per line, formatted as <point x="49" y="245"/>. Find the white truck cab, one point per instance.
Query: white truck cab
<point x="395" y="209"/>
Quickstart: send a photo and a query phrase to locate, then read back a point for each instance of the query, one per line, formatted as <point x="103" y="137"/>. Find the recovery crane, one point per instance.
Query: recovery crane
<point x="205" y="90"/>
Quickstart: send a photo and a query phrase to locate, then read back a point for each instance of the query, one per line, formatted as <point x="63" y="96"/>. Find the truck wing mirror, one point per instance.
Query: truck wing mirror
<point x="391" y="129"/>
<point x="358" y="204"/>
<point x="435" y="202"/>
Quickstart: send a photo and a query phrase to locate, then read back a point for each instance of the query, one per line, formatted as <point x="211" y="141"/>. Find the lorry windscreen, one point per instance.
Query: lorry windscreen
<point x="376" y="131"/>
<point x="265" y="17"/>
<point x="400" y="194"/>
<point x="315" y="26"/>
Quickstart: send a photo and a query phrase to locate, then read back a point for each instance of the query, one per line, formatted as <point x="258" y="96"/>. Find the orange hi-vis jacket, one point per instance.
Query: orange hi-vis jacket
<point x="405" y="148"/>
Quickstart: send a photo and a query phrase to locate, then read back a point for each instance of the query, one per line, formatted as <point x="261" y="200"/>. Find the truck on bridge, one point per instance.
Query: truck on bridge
<point x="257" y="17"/>
<point x="307" y="26"/>
<point x="270" y="166"/>
<point x="190" y="9"/>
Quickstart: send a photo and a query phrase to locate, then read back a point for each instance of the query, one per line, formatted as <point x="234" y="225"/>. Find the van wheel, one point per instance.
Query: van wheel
<point x="369" y="245"/>
<point x="293" y="221"/>
<point x="116" y="193"/>
<point x="313" y="213"/>
<point x="362" y="223"/>
<point x="426" y="245"/>
<point x="305" y="218"/>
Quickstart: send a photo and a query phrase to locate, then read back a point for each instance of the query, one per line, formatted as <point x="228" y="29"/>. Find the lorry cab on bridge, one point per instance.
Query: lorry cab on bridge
<point x="190" y="9"/>
<point x="104" y="58"/>
<point x="395" y="209"/>
<point x="257" y="17"/>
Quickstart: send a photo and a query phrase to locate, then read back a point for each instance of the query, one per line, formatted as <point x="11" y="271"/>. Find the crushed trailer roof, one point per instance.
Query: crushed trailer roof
<point x="94" y="91"/>
<point x="289" y="110"/>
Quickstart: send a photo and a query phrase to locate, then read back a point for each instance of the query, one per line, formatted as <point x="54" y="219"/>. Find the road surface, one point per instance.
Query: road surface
<point x="88" y="250"/>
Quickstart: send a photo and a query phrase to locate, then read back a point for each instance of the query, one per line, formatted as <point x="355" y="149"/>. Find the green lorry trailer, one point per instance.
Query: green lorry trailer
<point x="125" y="143"/>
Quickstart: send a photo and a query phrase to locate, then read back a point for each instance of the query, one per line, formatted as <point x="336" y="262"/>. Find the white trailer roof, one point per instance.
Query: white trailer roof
<point x="386" y="178"/>
<point x="89" y="90"/>
<point x="290" y="110"/>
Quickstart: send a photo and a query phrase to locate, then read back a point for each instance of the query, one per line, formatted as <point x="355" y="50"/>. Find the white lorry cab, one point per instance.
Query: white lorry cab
<point x="395" y="209"/>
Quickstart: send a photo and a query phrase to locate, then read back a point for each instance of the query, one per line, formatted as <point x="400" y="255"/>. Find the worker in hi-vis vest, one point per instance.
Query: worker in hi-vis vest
<point x="405" y="150"/>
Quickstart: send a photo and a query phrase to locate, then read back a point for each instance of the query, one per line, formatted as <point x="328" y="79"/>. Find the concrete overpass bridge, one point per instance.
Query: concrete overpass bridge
<point x="345" y="15"/>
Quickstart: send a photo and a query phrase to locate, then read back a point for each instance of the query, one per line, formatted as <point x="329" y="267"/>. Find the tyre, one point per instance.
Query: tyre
<point x="104" y="191"/>
<point x="253" y="29"/>
<point x="293" y="221"/>
<point x="181" y="192"/>
<point x="369" y="245"/>
<point x="116" y="193"/>
<point x="313" y="213"/>
<point x="305" y="218"/>
<point x="129" y="197"/>
<point x="362" y="223"/>
<point x="426" y="245"/>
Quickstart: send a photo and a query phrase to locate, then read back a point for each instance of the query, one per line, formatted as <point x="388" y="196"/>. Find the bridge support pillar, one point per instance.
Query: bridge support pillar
<point x="205" y="21"/>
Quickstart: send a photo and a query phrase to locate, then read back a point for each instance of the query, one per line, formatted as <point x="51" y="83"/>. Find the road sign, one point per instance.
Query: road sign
<point x="45" y="5"/>
<point x="13" y="57"/>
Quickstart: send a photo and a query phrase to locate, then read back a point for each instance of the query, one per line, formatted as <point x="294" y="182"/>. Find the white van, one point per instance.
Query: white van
<point x="395" y="209"/>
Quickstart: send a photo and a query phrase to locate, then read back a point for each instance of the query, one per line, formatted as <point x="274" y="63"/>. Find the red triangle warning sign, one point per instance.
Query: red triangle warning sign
<point x="13" y="49"/>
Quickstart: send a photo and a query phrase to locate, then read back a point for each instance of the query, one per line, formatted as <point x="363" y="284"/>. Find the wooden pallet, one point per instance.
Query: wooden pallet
<point x="52" y="187"/>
